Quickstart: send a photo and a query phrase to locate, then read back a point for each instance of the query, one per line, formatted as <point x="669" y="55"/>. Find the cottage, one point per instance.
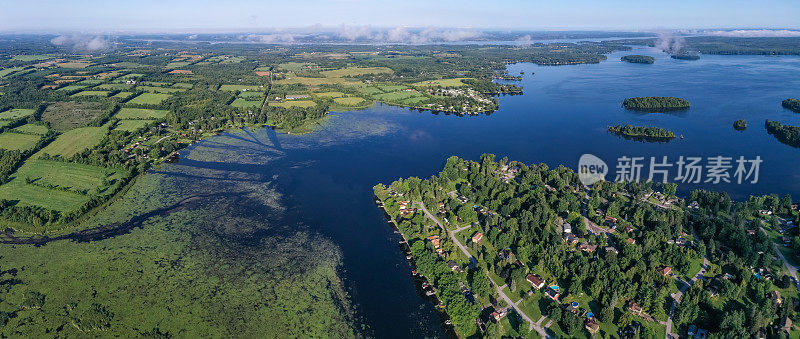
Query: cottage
<point x="435" y="240"/>
<point x="630" y="241"/>
<point x="634" y="308"/>
<point x="567" y="228"/>
<point x="592" y="326"/>
<point x="570" y="238"/>
<point x="535" y="280"/>
<point x="665" y="270"/>
<point x="477" y="237"/>
<point x="588" y="248"/>
<point x="776" y="296"/>
<point x="551" y="293"/>
<point x="610" y="249"/>
<point x="454" y="266"/>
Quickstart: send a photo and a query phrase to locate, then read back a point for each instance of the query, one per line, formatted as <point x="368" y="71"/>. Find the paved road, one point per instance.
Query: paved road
<point x="791" y="268"/>
<point x="678" y="295"/>
<point x="474" y="263"/>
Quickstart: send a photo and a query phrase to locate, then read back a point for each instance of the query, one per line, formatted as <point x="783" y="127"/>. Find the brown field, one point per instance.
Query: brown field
<point x="64" y="116"/>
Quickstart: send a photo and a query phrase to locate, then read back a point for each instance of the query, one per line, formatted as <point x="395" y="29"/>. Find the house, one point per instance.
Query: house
<point x="628" y="229"/>
<point x="630" y="241"/>
<point x="592" y="326"/>
<point x="551" y="293"/>
<point x="435" y="240"/>
<point x="588" y="248"/>
<point x="403" y="204"/>
<point x="570" y="238"/>
<point x="462" y="199"/>
<point x="701" y="333"/>
<point x="454" y="266"/>
<point x="681" y="241"/>
<point x="477" y="237"/>
<point x="406" y="211"/>
<point x="634" y="308"/>
<point x="776" y="296"/>
<point x="786" y="325"/>
<point x="611" y="249"/>
<point x="567" y="228"/>
<point x="751" y="232"/>
<point x="665" y="270"/>
<point x="499" y="314"/>
<point x="535" y="280"/>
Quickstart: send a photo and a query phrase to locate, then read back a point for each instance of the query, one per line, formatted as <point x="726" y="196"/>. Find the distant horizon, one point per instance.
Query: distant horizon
<point x="199" y="16"/>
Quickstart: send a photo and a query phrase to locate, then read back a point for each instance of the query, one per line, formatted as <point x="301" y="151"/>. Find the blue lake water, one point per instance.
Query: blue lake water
<point x="326" y="177"/>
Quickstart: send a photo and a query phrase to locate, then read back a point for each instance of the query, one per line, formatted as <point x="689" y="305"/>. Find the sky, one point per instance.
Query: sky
<point x="251" y="16"/>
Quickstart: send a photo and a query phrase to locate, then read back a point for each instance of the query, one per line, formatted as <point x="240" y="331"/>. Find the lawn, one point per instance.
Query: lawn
<point x="370" y="90"/>
<point x="356" y="71"/>
<point x="443" y="82"/>
<point x="64" y="116"/>
<point x="397" y="96"/>
<point x="349" y="101"/>
<point x="531" y="306"/>
<point x="295" y="103"/>
<point x="391" y="88"/>
<point x="251" y="95"/>
<point x="76" y="141"/>
<point x="69" y="176"/>
<point x="329" y="94"/>
<point x="140" y="113"/>
<point x="150" y="99"/>
<point x="234" y="88"/>
<point x="91" y="94"/>
<point x="32" y="129"/>
<point x="244" y="103"/>
<point x="16" y="113"/>
<point x="414" y="101"/>
<point x="31" y="195"/>
<point x="18" y="141"/>
<point x="131" y="125"/>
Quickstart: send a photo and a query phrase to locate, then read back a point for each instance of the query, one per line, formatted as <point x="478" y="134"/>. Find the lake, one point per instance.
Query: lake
<point x="326" y="177"/>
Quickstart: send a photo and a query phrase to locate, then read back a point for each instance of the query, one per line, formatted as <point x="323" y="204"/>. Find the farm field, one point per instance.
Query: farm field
<point x="349" y="101"/>
<point x="251" y="95"/>
<point x="16" y="113"/>
<point x="90" y="82"/>
<point x="369" y="90"/>
<point x="291" y="66"/>
<point x="32" y="129"/>
<point x="397" y="96"/>
<point x="140" y="113"/>
<point x="4" y="123"/>
<point x="295" y="103"/>
<point x="79" y="178"/>
<point x="356" y="71"/>
<point x="75" y="141"/>
<point x="31" y="195"/>
<point x="122" y="95"/>
<point x="32" y="57"/>
<point x="7" y="71"/>
<point x="18" y="141"/>
<point x="150" y="99"/>
<point x="71" y="88"/>
<point x="131" y="125"/>
<point x="91" y="94"/>
<point x="63" y="116"/>
<point x="183" y="85"/>
<point x="74" y="64"/>
<point x="113" y="87"/>
<point x="154" y="89"/>
<point x="177" y="64"/>
<point x="234" y="88"/>
<point x="316" y="81"/>
<point x="244" y="103"/>
<point x="391" y="88"/>
<point x="329" y="94"/>
<point x="443" y="82"/>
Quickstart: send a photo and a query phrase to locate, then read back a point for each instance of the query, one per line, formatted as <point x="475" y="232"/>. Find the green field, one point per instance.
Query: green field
<point x="329" y="94"/>
<point x="154" y="89"/>
<point x="67" y="115"/>
<point x="391" y="88"/>
<point x="31" y="195"/>
<point x="32" y="129"/>
<point x="295" y="103"/>
<point x="122" y="95"/>
<point x="369" y="90"/>
<point x="103" y="94"/>
<point x="131" y="125"/>
<point x="183" y="85"/>
<point x="70" y="176"/>
<point x="130" y="76"/>
<point x="234" y="88"/>
<point x="18" y="141"/>
<point x="140" y="113"/>
<point x="414" y="101"/>
<point x="16" y="113"/>
<point x="4" y="123"/>
<point x="316" y="81"/>
<point x="397" y="96"/>
<point x="243" y="103"/>
<point x="443" y="82"/>
<point x="7" y="71"/>
<point x="75" y="141"/>
<point x="150" y="99"/>
<point x="290" y="66"/>
<point x="71" y="88"/>
<point x="113" y="87"/>
<point x="177" y="64"/>
<point x="89" y="82"/>
<point x="32" y="57"/>
<point x="251" y="95"/>
<point x="356" y="71"/>
<point x="349" y="101"/>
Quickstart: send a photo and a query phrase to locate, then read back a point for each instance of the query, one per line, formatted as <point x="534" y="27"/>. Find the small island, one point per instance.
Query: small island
<point x="685" y="56"/>
<point x="656" y="104"/>
<point x="792" y="104"/>
<point x="786" y="134"/>
<point x="740" y="125"/>
<point x="643" y="133"/>
<point x="638" y="59"/>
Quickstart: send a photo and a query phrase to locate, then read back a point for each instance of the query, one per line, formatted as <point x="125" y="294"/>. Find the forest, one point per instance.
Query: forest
<point x="786" y="134"/>
<point x="792" y="104"/>
<point x="656" y="104"/>
<point x="740" y="125"/>
<point x="639" y="59"/>
<point x="644" y="132"/>
<point x="521" y="213"/>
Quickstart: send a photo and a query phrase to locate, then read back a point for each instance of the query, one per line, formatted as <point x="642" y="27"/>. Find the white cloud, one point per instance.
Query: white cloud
<point x="756" y="33"/>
